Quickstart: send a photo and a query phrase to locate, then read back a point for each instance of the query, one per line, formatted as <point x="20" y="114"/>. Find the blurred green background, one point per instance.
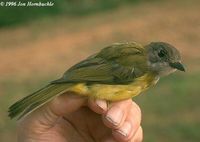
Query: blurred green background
<point x="37" y="44"/>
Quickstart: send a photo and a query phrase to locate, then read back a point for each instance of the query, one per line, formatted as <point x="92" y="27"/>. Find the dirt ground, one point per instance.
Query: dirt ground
<point x="45" y="46"/>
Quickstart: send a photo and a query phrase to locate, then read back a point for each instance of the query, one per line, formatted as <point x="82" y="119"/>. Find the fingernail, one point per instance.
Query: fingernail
<point x="110" y="140"/>
<point x="102" y="104"/>
<point x="125" y="129"/>
<point x="114" y="116"/>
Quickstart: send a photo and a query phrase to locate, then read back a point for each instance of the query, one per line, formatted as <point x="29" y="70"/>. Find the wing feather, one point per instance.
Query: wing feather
<point x="105" y="67"/>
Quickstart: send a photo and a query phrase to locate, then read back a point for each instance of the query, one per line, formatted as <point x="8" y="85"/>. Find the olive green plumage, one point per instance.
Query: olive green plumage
<point x="108" y="74"/>
<point x="115" y="64"/>
<point x="36" y="99"/>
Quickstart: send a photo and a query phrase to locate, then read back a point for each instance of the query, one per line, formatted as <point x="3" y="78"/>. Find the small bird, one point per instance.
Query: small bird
<point x="119" y="71"/>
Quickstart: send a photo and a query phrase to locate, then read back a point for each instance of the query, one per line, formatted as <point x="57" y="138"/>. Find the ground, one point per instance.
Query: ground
<point x="35" y="53"/>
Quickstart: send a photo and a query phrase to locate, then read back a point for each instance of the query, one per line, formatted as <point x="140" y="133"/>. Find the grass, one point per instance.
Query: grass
<point x="170" y="109"/>
<point x="16" y="15"/>
<point x="31" y="57"/>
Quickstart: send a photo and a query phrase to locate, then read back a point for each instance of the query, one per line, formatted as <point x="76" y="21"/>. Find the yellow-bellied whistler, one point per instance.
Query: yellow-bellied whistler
<point x="119" y="71"/>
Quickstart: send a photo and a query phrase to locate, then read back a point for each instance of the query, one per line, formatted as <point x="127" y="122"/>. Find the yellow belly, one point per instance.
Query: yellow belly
<point x="115" y="92"/>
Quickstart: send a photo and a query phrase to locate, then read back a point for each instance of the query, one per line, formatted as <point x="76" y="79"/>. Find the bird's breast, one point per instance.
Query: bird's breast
<point x="115" y="92"/>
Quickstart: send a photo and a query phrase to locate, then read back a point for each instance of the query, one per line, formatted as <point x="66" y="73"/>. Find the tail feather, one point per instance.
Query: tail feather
<point x="35" y="100"/>
<point x="21" y="104"/>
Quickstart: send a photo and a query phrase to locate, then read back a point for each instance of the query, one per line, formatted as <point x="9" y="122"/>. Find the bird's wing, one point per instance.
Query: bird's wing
<point x="117" y="50"/>
<point x="104" y="67"/>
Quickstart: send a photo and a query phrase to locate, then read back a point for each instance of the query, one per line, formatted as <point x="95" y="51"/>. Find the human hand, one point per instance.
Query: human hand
<point x="71" y="118"/>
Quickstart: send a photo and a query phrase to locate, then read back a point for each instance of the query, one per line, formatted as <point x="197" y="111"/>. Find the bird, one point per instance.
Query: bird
<point x="117" y="72"/>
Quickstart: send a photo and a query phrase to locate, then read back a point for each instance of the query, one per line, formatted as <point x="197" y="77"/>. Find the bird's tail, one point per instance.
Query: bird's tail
<point x="35" y="100"/>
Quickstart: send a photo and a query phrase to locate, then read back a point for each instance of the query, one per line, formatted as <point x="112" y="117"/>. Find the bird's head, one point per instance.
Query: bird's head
<point x="163" y="58"/>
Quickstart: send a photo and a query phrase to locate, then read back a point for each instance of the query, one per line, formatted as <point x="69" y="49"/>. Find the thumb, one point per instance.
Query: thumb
<point x="47" y="115"/>
<point x="66" y="103"/>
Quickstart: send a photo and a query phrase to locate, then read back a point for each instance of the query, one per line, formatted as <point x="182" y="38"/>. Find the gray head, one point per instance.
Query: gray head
<point x="163" y="58"/>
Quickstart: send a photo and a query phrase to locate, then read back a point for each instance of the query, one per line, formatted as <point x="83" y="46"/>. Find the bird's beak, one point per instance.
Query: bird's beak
<point x="178" y="66"/>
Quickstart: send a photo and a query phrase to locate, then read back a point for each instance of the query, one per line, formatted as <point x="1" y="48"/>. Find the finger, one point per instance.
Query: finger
<point x="138" y="137"/>
<point x="58" y="107"/>
<point x="98" y="106"/>
<point x="130" y="125"/>
<point x="116" y="114"/>
<point x="109" y="139"/>
<point x="66" y="103"/>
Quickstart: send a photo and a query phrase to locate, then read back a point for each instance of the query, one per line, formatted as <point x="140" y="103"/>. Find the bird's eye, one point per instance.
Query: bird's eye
<point x="161" y="53"/>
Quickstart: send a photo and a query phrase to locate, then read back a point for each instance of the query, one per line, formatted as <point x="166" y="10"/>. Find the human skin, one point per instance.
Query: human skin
<point x="72" y="118"/>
